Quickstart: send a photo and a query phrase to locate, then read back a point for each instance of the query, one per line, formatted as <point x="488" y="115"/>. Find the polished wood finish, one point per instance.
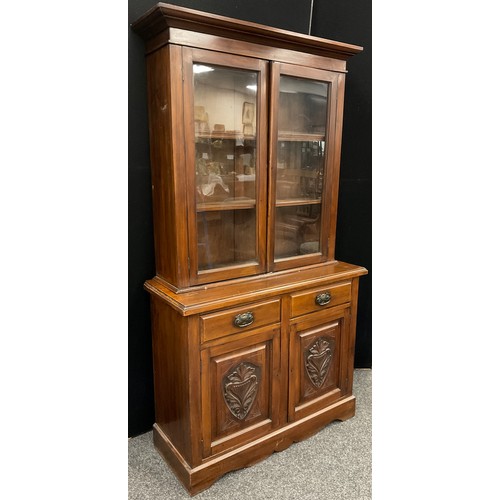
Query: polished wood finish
<point x="168" y="183"/>
<point x="253" y="347"/>
<point x="163" y="17"/>
<point x="244" y="227"/>
<point x="335" y="177"/>
<point x="310" y="300"/>
<point x="231" y="293"/>
<point x="198" y="348"/>
<point x="223" y="323"/>
<point x="240" y="390"/>
<point x="317" y="352"/>
<point x="175" y="401"/>
<point x="198" y="478"/>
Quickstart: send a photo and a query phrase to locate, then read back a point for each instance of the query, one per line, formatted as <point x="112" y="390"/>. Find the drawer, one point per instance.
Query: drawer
<point x="242" y="318"/>
<point x="320" y="298"/>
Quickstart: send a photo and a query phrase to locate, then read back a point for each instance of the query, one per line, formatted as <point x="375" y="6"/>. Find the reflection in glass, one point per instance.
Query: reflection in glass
<point x="303" y="106"/>
<point x="300" y="169"/>
<point x="226" y="237"/>
<point x="225" y="124"/>
<point x="225" y="121"/>
<point x="302" y="122"/>
<point x="297" y="230"/>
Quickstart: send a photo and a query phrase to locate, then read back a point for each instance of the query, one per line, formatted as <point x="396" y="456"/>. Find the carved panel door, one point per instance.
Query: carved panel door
<point x="318" y="368"/>
<point x="240" y="389"/>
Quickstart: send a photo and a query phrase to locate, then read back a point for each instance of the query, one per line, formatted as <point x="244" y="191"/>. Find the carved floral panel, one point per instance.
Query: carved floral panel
<point x="240" y="389"/>
<point x="318" y="357"/>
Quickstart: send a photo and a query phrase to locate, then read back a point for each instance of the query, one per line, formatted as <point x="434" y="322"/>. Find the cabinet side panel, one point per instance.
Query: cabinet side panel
<point x="168" y="194"/>
<point x="171" y="375"/>
<point x="352" y="336"/>
<point x="336" y="163"/>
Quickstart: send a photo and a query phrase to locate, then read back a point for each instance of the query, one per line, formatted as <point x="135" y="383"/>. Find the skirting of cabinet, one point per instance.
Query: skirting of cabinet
<point x="199" y="478"/>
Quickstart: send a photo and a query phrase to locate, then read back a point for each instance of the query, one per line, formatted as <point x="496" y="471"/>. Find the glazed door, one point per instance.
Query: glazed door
<point x="225" y="108"/>
<point x="304" y="161"/>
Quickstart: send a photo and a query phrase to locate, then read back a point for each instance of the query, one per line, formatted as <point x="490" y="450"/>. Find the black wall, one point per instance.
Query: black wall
<point x="342" y="20"/>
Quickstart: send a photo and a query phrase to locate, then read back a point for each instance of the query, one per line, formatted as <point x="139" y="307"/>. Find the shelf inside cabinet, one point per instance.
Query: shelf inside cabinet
<point x="225" y="205"/>
<point x="225" y="135"/>
<point x="292" y="202"/>
<point x="295" y="136"/>
<point x="301" y="172"/>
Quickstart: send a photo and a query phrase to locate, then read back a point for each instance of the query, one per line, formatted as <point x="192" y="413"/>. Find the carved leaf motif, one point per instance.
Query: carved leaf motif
<point x="318" y="359"/>
<point x="240" y="389"/>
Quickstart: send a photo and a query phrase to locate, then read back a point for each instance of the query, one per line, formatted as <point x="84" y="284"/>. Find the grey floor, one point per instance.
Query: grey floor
<point x="334" y="464"/>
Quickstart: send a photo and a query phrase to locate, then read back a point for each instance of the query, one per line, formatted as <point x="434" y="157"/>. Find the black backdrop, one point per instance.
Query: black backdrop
<point x="342" y="20"/>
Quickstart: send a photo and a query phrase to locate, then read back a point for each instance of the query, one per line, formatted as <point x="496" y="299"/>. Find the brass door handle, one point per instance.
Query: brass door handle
<point x="243" y="319"/>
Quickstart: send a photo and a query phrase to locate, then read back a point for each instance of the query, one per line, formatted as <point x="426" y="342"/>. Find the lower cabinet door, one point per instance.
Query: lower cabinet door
<point x="318" y="363"/>
<point x="239" y="390"/>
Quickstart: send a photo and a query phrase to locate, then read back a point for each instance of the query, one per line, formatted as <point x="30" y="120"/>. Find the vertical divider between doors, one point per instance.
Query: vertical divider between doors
<point x="262" y="179"/>
<point x="273" y="146"/>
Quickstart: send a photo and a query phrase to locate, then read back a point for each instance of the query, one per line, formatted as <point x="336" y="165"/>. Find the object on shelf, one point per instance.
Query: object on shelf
<point x="309" y="247"/>
<point x="214" y="186"/>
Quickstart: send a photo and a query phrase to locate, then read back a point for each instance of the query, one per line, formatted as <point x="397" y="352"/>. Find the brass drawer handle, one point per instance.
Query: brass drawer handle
<point x="323" y="298"/>
<point x="243" y="319"/>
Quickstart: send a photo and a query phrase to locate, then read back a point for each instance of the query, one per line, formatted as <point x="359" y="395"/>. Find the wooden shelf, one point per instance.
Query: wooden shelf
<point x="225" y="205"/>
<point x="292" y="202"/>
<point x="285" y="173"/>
<point x="297" y="137"/>
<point x="224" y="135"/>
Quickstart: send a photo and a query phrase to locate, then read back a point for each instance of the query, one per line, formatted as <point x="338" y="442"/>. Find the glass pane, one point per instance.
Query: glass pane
<point x="226" y="237"/>
<point x="225" y="121"/>
<point x="225" y="171"/>
<point x="302" y="123"/>
<point x="297" y="230"/>
<point x="303" y="106"/>
<point x="300" y="170"/>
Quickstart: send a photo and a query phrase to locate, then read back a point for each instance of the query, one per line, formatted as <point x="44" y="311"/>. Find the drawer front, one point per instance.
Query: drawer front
<point x="239" y="319"/>
<point x="320" y="298"/>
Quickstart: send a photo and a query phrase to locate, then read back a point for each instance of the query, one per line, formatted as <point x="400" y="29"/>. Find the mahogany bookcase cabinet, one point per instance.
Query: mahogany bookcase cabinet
<point x="253" y="318"/>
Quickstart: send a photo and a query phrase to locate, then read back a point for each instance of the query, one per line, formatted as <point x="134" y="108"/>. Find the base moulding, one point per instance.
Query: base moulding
<point x="199" y="478"/>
